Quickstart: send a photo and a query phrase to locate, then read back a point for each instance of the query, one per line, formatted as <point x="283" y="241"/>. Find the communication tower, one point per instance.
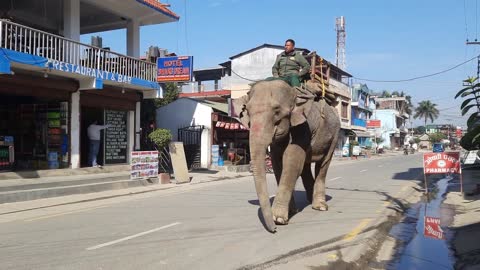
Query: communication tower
<point x="341" y="37"/>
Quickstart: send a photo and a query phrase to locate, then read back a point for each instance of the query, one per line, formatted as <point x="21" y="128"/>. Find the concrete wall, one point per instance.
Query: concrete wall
<point x="186" y="112"/>
<point x="389" y="125"/>
<point x="256" y="65"/>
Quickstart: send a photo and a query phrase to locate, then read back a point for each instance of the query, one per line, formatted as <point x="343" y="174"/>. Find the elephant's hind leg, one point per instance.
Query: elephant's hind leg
<point x="308" y="181"/>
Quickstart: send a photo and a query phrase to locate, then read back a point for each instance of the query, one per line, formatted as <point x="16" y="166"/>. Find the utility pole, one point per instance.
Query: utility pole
<point x="341" y="39"/>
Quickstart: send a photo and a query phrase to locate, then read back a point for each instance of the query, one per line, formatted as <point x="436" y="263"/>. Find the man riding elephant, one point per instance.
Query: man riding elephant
<point x="290" y="65"/>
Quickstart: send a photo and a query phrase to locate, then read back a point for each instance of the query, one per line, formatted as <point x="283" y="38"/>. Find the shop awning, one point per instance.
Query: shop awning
<point x="359" y="133"/>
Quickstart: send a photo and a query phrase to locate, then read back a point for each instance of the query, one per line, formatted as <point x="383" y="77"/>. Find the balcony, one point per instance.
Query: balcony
<point x="29" y="46"/>
<point x="359" y="122"/>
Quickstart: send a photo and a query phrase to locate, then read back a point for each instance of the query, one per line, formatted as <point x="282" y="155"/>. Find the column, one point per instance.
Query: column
<point x="71" y="19"/>
<point x="75" y="131"/>
<point x="132" y="136"/>
<point x="133" y="38"/>
<point x="137" y="126"/>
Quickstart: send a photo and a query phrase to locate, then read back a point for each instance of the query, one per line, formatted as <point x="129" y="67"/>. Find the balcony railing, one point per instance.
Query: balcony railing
<point x="28" y="40"/>
<point x="194" y="87"/>
<point x="359" y="122"/>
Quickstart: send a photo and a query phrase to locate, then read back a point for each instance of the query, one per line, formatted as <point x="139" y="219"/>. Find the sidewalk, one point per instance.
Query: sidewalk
<point x="466" y="221"/>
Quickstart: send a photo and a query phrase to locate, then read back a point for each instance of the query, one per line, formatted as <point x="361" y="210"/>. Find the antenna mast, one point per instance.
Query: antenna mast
<point x="341" y="37"/>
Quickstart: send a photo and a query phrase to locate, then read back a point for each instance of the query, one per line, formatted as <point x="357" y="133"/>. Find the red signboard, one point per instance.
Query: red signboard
<point x="374" y="123"/>
<point x="446" y="162"/>
<point x="431" y="228"/>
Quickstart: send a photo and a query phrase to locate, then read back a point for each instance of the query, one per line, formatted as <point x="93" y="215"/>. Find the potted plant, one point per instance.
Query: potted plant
<point x="161" y="138"/>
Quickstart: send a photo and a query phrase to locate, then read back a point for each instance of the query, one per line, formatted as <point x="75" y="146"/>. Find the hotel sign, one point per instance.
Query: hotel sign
<point x="175" y="69"/>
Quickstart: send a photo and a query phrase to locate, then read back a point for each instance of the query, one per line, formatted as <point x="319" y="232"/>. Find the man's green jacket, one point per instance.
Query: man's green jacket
<point x="290" y="64"/>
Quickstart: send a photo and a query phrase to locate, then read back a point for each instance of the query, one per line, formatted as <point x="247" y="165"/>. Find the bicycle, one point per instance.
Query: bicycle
<point x="268" y="165"/>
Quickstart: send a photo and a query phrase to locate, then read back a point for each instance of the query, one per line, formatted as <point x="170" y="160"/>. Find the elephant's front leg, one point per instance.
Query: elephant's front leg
<point x="293" y="161"/>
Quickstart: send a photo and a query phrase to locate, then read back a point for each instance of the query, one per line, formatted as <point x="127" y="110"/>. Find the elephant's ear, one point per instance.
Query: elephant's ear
<point x="239" y="110"/>
<point x="297" y="117"/>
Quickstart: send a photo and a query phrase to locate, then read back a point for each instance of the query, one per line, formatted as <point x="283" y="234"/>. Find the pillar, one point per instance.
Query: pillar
<point x="137" y="126"/>
<point x="75" y="130"/>
<point x="133" y="38"/>
<point x="132" y="136"/>
<point x="71" y="19"/>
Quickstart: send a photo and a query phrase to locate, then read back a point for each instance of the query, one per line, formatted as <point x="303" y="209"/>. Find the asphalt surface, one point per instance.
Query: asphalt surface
<point x="206" y="226"/>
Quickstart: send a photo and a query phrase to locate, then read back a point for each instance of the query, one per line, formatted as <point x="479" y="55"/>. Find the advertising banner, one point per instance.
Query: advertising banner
<point x="374" y="123"/>
<point x="431" y="228"/>
<point x="144" y="164"/>
<point x="446" y="162"/>
<point x="175" y="69"/>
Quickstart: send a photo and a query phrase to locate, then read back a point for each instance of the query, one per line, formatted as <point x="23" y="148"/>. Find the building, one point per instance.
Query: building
<point x="201" y="123"/>
<point x="363" y="106"/>
<point x="52" y="86"/>
<point x="391" y="112"/>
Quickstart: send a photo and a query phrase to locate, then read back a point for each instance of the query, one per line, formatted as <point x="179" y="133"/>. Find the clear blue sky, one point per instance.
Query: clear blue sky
<point x="386" y="40"/>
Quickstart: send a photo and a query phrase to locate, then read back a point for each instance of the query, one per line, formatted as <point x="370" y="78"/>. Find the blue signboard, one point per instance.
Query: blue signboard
<point x="175" y="69"/>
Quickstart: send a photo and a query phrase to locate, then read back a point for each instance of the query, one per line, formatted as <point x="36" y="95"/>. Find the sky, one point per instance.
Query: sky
<point x="386" y="40"/>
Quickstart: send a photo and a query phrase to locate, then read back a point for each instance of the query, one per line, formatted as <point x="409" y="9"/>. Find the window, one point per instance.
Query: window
<point x="344" y="110"/>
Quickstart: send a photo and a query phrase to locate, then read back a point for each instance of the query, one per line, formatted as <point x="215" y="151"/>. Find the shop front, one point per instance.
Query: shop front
<point x="230" y="144"/>
<point x="108" y="106"/>
<point x="34" y="123"/>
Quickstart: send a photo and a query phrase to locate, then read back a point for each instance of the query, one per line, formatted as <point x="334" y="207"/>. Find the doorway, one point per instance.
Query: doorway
<point x="87" y="116"/>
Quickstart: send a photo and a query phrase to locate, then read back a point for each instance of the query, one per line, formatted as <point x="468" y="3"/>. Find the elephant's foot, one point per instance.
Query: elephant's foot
<point x="320" y="206"/>
<point x="280" y="214"/>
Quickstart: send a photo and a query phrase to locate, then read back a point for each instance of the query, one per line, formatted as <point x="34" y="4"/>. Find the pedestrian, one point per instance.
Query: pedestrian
<point x="290" y="65"/>
<point x="94" y="139"/>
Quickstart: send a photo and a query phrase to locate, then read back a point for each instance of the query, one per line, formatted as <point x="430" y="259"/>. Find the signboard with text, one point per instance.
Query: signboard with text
<point x="116" y="137"/>
<point x="175" y="69"/>
<point x="144" y="164"/>
<point x="431" y="228"/>
<point x="446" y="162"/>
<point x="374" y="123"/>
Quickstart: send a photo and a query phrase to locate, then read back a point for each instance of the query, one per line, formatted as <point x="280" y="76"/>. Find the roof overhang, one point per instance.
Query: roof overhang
<point x="107" y="15"/>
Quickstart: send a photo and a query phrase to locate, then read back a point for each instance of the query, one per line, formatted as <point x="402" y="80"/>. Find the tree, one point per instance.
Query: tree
<point x="471" y="140"/>
<point x="170" y="94"/>
<point x="426" y="110"/>
<point x="437" y="137"/>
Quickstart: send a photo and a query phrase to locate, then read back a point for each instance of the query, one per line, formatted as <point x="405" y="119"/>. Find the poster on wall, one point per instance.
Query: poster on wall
<point x="116" y="137"/>
<point x="144" y="164"/>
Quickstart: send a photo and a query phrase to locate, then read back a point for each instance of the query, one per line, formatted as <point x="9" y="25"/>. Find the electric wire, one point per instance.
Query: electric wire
<point x="419" y="77"/>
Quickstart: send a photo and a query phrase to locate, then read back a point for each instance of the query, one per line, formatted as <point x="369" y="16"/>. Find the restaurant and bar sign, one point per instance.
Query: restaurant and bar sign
<point x="175" y="69"/>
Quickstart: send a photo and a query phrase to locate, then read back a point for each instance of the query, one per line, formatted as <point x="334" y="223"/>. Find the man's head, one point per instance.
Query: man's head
<point x="289" y="45"/>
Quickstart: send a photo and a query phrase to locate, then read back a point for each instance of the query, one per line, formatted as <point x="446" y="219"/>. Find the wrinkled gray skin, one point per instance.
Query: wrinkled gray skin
<point x="293" y="147"/>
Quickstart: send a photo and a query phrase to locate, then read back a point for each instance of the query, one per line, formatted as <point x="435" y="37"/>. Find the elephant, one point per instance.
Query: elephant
<point x="295" y="142"/>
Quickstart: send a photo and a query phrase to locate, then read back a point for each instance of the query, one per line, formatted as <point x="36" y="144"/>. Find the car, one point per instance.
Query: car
<point x="438" y="148"/>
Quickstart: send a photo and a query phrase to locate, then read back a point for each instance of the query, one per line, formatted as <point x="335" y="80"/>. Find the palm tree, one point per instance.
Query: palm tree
<point x="426" y="110"/>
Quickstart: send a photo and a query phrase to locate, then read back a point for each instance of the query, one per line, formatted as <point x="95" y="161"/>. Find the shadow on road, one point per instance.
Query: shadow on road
<point x="411" y="174"/>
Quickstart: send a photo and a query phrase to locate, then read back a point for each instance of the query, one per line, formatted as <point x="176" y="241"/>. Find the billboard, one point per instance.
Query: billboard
<point x="374" y="123"/>
<point x="174" y="69"/>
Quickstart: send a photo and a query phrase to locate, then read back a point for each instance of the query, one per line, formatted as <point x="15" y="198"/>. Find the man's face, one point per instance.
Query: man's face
<point x="289" y="47"/>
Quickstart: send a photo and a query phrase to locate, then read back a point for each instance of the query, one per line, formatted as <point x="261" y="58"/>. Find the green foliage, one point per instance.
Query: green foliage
<point x="417" y="140"/>
<point x="426" y="110"/>
<point x="161" y="137"/>
<point x="437" y="137"/>
<point x="471" y="140"/>
<point x="170" y="94"/>
<point x="379" y="140"/>
<point x="420" y="130"/>
<point x="353" y="143"/>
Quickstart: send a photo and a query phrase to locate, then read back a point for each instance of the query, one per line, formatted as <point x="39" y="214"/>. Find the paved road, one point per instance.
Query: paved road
<point x="206" y="226"/>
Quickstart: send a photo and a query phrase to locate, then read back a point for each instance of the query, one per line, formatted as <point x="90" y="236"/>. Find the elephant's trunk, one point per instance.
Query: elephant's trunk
<point x="258" y="153"/>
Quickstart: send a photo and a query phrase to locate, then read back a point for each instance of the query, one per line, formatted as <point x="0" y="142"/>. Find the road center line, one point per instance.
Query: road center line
<point x="133" y="236"/>
<point x="351" y="235"/>
<point x="64" y="213"/>
<point x="333" y="179"/>
<point x="363" y="170"/>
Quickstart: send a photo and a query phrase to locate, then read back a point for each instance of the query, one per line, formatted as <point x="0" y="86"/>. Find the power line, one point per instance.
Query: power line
<point x="419" y="77"/>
